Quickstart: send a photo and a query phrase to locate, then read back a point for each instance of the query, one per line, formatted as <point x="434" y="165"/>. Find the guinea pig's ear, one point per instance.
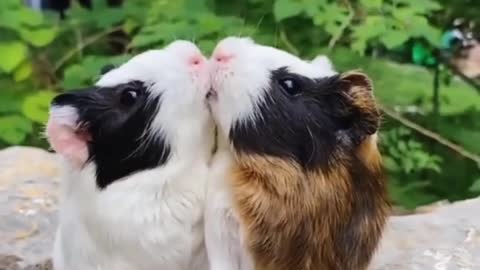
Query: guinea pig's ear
<point x="362" y="114"/>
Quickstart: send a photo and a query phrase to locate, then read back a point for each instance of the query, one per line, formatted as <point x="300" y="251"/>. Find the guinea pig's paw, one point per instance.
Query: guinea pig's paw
<point x="66" y="138"/>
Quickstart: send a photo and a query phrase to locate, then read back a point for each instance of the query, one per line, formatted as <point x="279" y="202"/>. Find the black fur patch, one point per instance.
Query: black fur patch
<point x="308" y="127"/>
<point x="119" y="146"/>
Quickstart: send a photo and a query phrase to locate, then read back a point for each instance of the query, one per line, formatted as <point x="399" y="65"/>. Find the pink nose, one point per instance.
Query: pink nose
<point x="197" y="60"/>
<point x="222" y="57"/>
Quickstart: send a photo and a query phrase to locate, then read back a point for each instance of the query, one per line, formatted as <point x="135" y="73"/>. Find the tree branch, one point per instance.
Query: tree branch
<point x="286" y="41"/>
<point x="86" y="42"/>
<point x="335" y="38"/>
<point x="432" y="135"/>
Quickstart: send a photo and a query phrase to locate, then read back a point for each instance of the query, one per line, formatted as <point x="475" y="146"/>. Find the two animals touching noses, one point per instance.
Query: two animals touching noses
<point x="253" y="159"/>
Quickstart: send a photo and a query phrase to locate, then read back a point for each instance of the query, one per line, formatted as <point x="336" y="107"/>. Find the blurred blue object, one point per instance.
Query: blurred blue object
<point x="59" y="6"/>
<point x="34" y="4"/>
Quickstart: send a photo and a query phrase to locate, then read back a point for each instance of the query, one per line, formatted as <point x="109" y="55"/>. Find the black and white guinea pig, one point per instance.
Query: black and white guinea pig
<point x="298" y="182"/>
<point x="135" y="148"/>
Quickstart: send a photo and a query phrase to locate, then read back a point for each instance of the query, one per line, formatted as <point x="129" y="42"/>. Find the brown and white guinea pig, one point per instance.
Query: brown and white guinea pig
<point x="297" y="182"/>
<point x="135" y="148"/>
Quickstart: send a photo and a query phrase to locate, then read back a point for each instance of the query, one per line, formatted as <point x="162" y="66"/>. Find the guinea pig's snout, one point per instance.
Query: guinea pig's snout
<point x="222" y="57"/>
<point x="64" y="131"/>
<point x="64" y="117"/>
<point x="197" y="60"/>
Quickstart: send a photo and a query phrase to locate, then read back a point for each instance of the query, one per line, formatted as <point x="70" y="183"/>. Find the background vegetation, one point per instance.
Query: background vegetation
<point x="42" y="55"/>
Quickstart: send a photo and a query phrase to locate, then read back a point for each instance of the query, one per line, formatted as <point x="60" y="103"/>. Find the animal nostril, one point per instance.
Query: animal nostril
<point x="196" y="60"/>
<point x="223" y="57"/>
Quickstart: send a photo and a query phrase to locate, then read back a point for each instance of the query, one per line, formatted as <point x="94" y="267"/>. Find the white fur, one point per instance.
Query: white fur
<point x="240" y="84"/>
<point x="324" y="63"/>
<point x="223" y="234"/>
<point x="64" y="115"/>
<point x="152" y="219"/>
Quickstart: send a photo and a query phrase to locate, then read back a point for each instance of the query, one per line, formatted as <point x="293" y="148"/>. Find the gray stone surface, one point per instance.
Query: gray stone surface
<point x="448" y="238"/>
<point x="28" y="199"/>
<point x="443" y="237"/>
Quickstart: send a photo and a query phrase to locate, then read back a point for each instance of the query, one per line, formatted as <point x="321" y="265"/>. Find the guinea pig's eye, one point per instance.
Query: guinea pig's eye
<point x="290" y="86"/>
<point x="129" y="97"/>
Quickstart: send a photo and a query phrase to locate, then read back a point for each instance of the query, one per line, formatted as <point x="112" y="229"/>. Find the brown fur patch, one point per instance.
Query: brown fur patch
<point x="311" y="220"/>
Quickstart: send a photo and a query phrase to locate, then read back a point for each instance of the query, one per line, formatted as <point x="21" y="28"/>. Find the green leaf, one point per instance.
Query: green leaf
<point x="23" y="71"/>
<point x="419" y="26"/>
<point x="85" y="72"/>
<point x="29" y="17"/>
<point x="14" y="129"/>
<point x="199" y="6"/>
<point x="39" y="37"/>
<point x="10" y="102"/>
<point x="424" y="6"/>
<point x="359" y="46"/>
<point x="283" y="9"/>
<point x="37" y="106"/>
<point x="161" y="33"/>
<point x="20" y="17"/>
<point x="392" y="39"/>
<point x="390" y="164"/>
<point x="372" y="4"/>
<point x="372" y="27"/>
<point x="476" y="186"/>
<point x="100" y="16"/>
<point x="207" y="46"/>
<point x="75" y="76"/>
<point x="209" y="23"/>
<point x="331" y="17"/>
<point x="130" y="25"/>
<point x="12" y="55"/>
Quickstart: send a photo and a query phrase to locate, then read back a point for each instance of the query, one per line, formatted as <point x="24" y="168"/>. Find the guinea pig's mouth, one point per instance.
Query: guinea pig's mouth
<point x="82" y="133"/>
<point x="69" y="139"/>
<point x="78" y="131"/>
<point x="211" y="94"/>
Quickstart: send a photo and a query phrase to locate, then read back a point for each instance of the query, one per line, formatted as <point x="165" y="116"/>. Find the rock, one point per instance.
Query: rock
<point x="447" y="238"/>
<point x="28" y="202"/>
<point x="440" y="236"/>
<point x="431" y="207"/>
<point x="11" y="262"/>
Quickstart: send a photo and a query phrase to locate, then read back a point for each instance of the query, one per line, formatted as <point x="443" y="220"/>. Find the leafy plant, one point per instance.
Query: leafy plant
<point x="42" y="56"/>
<point x="408" y="164"/>
<point x="364" y="23"/>
<point x="23" y="31"/>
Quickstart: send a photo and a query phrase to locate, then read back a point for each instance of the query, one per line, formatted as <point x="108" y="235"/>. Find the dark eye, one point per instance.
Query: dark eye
<point x="129" y="97"/>
<point x="291" y="86"/>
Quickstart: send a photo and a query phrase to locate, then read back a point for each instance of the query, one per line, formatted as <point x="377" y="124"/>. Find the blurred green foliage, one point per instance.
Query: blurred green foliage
<point x="42" y="55"/>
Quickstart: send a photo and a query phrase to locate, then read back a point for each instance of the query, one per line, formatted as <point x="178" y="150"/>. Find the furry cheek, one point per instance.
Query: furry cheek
<point x="67" y="142"/>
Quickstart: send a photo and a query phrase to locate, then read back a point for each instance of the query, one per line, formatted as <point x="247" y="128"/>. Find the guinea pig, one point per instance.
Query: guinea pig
<point x="297" y="182"/>
<point x="135" y="149"/>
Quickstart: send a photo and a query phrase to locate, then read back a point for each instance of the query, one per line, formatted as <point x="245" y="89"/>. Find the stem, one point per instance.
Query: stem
<point x="432" y="135"/>
<point x="287" y="42"/>
<point x="78" y="35"/>
<point x="436" y="94"/>
<point x="335" y="38"/>
<point x="86" y="42"/>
